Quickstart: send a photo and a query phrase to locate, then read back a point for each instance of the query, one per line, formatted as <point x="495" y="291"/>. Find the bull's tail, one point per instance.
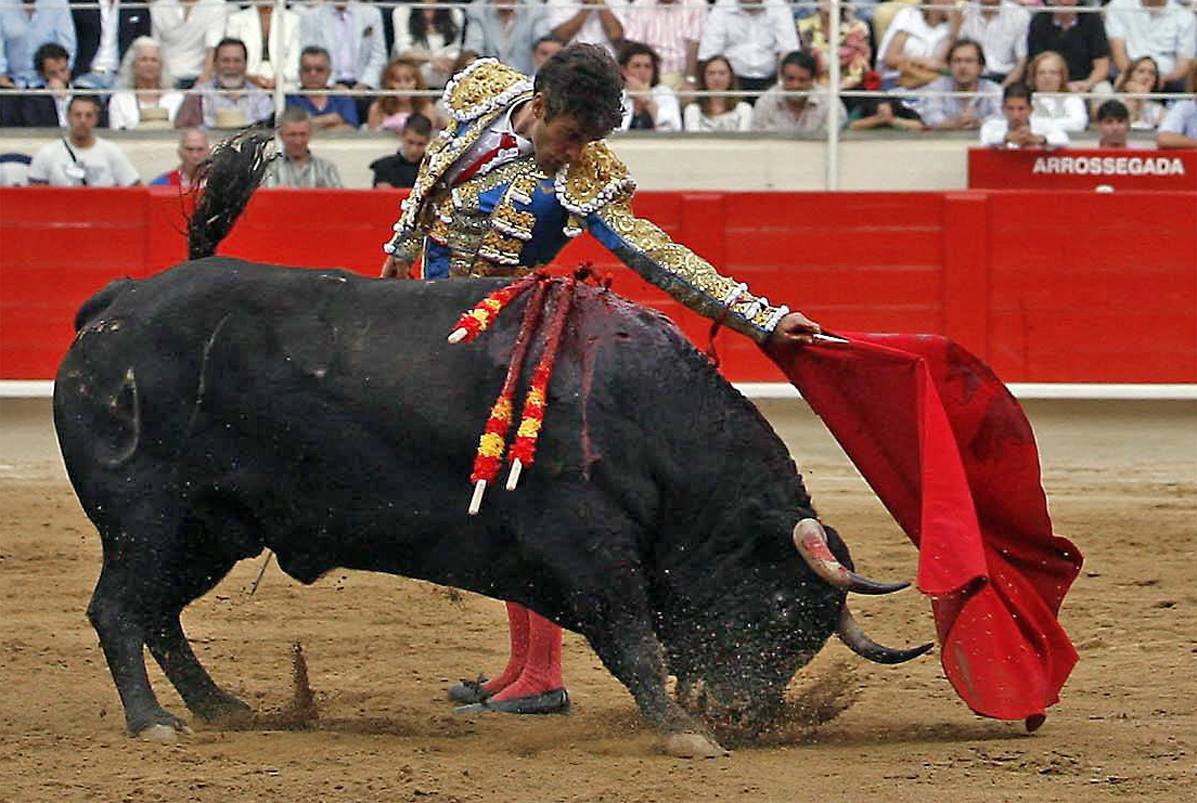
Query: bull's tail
<point x="238" y="165"/>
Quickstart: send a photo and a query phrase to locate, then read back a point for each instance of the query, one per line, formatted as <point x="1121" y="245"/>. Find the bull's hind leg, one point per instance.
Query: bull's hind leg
<point x="213" y="537"/>
<point x="151" y="572"/>
<point x="202" y="696"/>
<point x="120" y="623"/>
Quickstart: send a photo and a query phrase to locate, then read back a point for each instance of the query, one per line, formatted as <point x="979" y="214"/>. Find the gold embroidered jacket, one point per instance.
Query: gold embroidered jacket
<point x="514" y="218"/>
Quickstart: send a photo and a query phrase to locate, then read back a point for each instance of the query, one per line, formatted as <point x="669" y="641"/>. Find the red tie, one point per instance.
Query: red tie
<point x="506" y="142"/>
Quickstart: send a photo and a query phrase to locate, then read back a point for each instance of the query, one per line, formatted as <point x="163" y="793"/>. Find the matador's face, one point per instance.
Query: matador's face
<point x="555" y="142"/>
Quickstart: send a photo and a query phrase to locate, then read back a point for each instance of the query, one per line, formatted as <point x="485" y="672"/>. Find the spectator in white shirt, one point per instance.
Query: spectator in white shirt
<point x="1164" y="30"/>
<point x="1017" y="128"/>
<point x="718" y="112"/>
<point x="597" y="22"/>
<point x="673" y="28"/>
<point x="653" y="105"/>
<point x="271" y="42"/>
<point x="81" y="159"/>
<point x="753" y="35"/>
<point x="912" y="51"/>
<point x="431" y="37"/>
<point x="146" y="98"/>
<point x="188" y="31"/>
<point x="1001" y="27"/>
<point x="1048" y="78"/>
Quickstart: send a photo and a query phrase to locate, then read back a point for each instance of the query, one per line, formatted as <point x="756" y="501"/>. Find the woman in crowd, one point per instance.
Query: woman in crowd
<point x="145" y="98"/>
<point x="718" y="112"/>
<point x="912" y="51"/>
<point x="654" y="105"/>
<point x="431" y="37"/>
<point x="390" y="112"/>
<point x="1047" y="76"/>
<point x="1142" y="77"/>
<point x="853" y="44"/>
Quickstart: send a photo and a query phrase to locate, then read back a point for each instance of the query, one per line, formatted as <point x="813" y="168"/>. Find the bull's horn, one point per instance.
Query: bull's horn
<point x="811" y="541"/>
<point x="859" y="642"/>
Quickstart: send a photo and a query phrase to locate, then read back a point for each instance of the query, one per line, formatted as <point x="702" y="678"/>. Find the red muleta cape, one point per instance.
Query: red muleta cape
<point x="952" y="457"/>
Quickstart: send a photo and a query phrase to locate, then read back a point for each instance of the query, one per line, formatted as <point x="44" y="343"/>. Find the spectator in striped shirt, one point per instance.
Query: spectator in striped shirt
<point x="673" y="28"/>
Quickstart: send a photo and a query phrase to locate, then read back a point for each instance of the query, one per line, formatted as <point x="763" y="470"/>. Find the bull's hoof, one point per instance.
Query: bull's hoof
<point x="693" y="745"/>
<point x="159" y="726"/>
<point x="159" y="734"/>
<point x="551" y="702"/>
<point x="469" y="692"/>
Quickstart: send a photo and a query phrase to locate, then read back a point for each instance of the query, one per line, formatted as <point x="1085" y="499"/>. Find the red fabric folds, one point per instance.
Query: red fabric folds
<point x="951" y="455"/>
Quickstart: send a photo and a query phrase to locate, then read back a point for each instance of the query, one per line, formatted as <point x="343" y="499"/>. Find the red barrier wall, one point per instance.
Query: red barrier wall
<point x="1049" y="287"/>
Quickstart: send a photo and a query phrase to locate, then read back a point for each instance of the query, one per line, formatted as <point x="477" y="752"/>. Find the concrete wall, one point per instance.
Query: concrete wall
<point x="658" y="162"/>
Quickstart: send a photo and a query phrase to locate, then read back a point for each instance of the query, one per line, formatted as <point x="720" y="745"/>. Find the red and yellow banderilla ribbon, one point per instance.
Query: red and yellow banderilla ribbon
<point x="477" y="320"/>
<point x="494" y="436"/>
<point x="492" y="444"/>
<point x="523" y="451"/>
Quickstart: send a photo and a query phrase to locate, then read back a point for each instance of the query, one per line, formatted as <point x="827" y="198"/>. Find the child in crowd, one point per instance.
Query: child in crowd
<point x="400" y="170"/>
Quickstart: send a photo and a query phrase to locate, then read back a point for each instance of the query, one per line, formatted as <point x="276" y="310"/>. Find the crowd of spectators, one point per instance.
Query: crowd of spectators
<point x="689" y="65"/>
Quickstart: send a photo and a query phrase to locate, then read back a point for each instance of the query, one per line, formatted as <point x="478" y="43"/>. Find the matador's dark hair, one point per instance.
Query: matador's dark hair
<point x="583" y="81"/>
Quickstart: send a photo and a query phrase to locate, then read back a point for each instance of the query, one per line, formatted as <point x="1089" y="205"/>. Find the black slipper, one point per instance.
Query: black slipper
<point x="469" y="691"/>
<point x="551" y="702"/>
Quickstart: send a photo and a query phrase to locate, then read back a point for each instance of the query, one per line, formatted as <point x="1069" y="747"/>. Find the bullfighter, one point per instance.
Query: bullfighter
<point x="522" y="169"/>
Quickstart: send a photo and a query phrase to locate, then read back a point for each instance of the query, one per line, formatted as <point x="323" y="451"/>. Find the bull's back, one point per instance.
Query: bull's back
<point x="312" y="367"/>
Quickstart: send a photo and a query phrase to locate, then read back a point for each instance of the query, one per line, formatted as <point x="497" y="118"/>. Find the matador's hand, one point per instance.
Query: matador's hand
<point x="395" y="268"/>
<point x="794" y="329"/>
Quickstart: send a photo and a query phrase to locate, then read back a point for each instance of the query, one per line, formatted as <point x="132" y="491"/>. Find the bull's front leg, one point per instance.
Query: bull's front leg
<point x="629" y="648"/>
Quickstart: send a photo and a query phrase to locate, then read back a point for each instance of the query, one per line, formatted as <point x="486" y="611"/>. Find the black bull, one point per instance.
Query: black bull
<point x="223" y="407"/>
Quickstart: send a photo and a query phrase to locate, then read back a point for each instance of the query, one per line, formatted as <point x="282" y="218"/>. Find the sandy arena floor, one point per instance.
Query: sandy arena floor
<point x="1122" y="480"/>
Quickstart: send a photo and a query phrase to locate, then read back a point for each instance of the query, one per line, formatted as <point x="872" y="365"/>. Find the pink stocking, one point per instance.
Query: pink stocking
<point x="517" y="624"/>
<point x="542" y="667"/>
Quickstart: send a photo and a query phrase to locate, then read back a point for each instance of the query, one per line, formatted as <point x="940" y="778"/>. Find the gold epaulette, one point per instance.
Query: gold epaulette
<point x="593" y="180"/>
<point x="483" y="87"/>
